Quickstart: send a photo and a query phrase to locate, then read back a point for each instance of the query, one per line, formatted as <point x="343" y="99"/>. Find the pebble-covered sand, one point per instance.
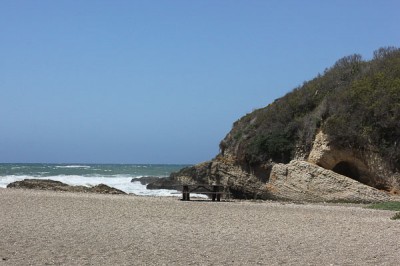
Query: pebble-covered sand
<point x="55" y="228"/>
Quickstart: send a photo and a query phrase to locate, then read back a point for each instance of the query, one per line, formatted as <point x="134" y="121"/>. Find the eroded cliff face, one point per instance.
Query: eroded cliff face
<point x="225" y="171"/>
<point x="327" y="174"/>
<point x="364" y="166"/>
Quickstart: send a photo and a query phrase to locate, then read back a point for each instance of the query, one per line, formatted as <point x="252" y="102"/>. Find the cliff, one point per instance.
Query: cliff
<point x="334" y="138"/>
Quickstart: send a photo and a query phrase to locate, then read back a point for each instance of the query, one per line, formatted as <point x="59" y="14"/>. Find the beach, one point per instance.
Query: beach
<point x="58" y="228"/>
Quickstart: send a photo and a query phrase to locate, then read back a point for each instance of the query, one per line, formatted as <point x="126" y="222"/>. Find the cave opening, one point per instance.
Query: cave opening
<point x="351" y="171"/>
<point x="347" y="169"/>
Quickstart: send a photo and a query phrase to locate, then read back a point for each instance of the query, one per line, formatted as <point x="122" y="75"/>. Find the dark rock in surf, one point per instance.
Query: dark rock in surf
<point x="144" y="180"/>
<point x="46" y="184"/>
<point x="42" y="184"/>
<point x="164" y="183"/>
<point x="104" y="189"/>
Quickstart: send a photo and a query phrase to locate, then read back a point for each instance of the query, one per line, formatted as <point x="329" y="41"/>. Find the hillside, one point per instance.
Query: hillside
<point x="346" y="120"/>
<point x="355" y="102"/>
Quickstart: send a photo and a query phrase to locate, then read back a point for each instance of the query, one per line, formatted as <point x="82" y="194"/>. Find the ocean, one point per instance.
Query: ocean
<point x="113" y="175"/>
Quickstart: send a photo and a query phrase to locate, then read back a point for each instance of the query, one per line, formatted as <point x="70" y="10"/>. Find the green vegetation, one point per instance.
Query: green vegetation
<point x="277" y="145"/>
<point x="390" y="206"/>
<point x="356" y="102"/>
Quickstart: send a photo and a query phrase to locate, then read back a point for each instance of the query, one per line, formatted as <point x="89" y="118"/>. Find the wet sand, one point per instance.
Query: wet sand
<point x="55" y="228"/>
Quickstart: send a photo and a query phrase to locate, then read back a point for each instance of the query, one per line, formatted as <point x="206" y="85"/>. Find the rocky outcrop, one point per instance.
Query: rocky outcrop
<point x="45" y="184"/>
<point x="304" y="181"/>
<point x="296" y="181"/>
<point x="237" y="182"/>
<point x="189" y="175"/>
<point x="165" y="183"/>
<point x="329" y="174"/>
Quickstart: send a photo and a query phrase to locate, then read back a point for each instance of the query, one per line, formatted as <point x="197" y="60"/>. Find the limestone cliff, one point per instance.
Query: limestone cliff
<point x="334" y="138"/>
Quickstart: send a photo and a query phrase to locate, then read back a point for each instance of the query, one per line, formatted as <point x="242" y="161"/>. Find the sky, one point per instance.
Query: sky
<point x="157" y="81"/>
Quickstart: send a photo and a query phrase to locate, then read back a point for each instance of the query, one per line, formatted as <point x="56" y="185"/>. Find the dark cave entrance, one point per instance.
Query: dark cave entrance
<point x="347" y="169"/>
<point x="351" y="171"/>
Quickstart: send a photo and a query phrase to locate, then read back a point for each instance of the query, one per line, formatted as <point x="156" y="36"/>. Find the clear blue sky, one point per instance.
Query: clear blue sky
<point x="162" y="81"/>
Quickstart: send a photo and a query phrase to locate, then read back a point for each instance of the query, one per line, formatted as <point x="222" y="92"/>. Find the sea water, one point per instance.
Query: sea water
<point x="114" y="175"/>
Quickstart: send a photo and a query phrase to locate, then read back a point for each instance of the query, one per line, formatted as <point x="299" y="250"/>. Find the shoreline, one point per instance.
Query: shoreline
<point x="46" y="227"/>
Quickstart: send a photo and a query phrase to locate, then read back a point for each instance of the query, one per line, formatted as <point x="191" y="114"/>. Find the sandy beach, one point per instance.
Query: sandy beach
<point x="54" y="228"/>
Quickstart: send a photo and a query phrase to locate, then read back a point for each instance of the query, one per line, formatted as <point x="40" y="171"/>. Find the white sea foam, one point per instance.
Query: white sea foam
<point x="73" y="166"/>
<point x="5" y="180"/>
<point x="18" y="167"/>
